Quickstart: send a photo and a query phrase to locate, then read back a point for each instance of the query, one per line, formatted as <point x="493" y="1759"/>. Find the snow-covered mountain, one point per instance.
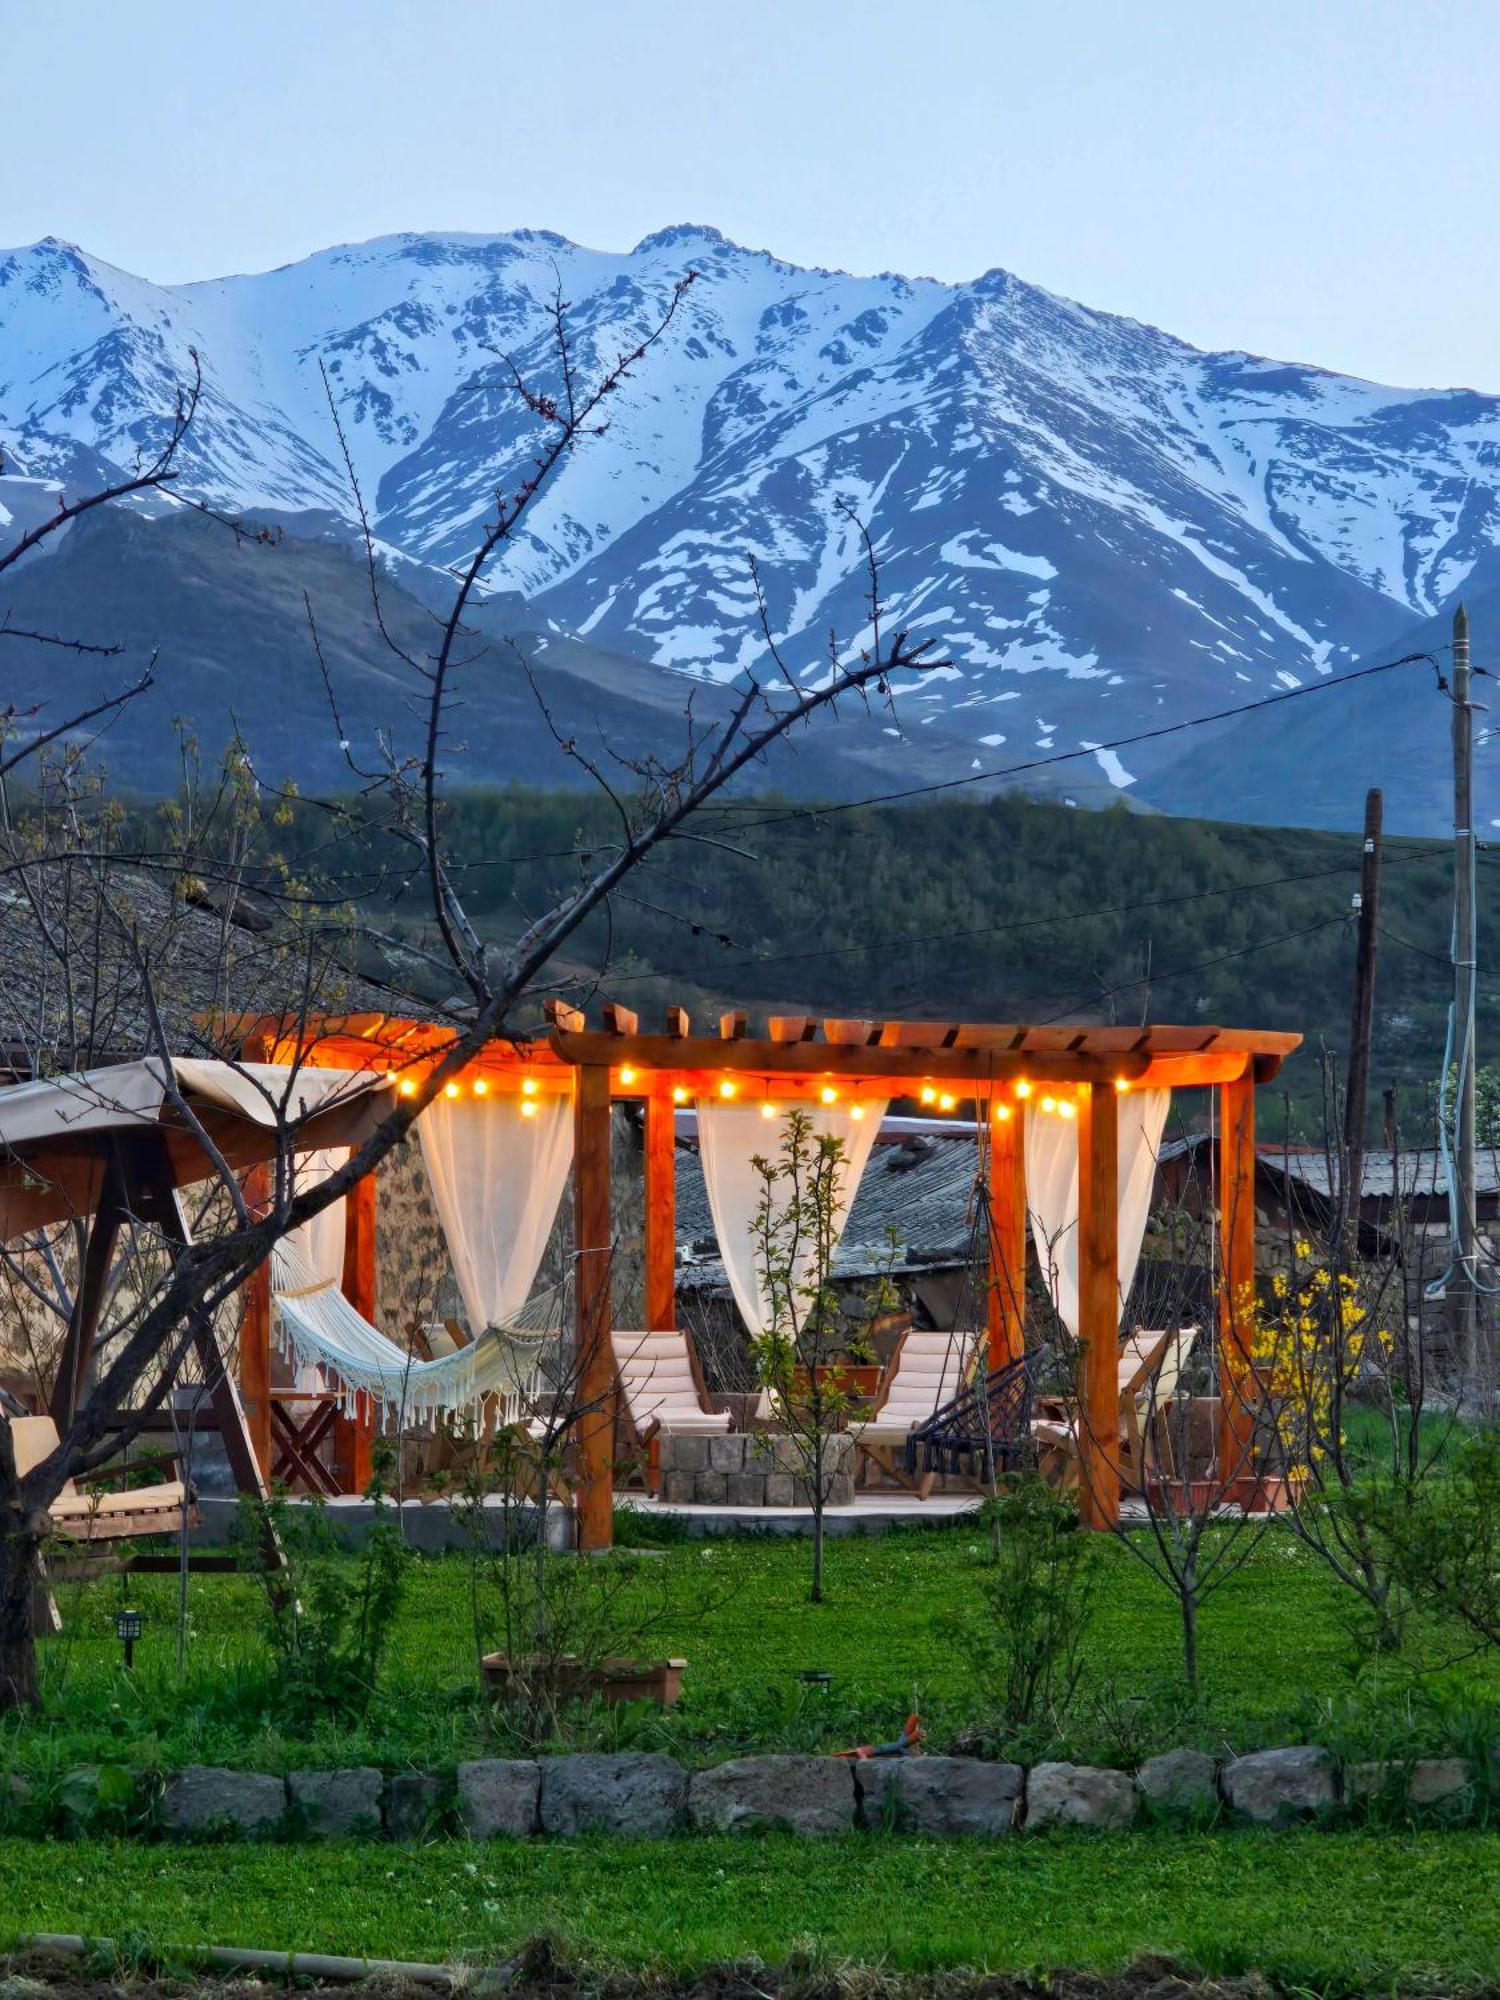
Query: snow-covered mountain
<point x="1102" y="528"/>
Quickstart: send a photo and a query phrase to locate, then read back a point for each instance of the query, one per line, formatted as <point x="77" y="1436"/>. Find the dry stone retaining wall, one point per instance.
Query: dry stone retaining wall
<point x="650" y="1795"/>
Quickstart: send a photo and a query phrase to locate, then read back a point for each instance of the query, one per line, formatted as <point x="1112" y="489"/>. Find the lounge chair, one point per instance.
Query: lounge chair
<point x="101" y="1516"/>
<point x="1150" y="1364"/>
<point x="662" y="1392"/>
<point x="927" y="1370"/>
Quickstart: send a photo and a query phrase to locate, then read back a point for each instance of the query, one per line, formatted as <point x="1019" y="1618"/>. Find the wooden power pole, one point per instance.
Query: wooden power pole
<point x="1464" y="1221"/>
<point x="1362" y="1020"/>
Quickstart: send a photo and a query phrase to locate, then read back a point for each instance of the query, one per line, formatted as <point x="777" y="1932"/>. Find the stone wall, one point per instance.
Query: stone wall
<point x="649" y="1795"/>
<point x="753" y="1469"/>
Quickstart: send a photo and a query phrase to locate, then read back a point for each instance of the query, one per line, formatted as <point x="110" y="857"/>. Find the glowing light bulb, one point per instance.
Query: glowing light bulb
<point x="1122" y="1084"/>
<point x="627" y="1075"/>
<point x="1023" y="1088"/>
<point x="1002" y="1112"/>
<point x="727" y="1089"/>
<point x="947" y="1101"/>
<point x="481" y="1086"/>
<point x="528" y="1107"/>
<point x="408" y="1088"/>
<point x="929" y="1095"/>
<point x="768" y="1111"/>
<point x="1067" y="1108"/>
<point x="1049" y="1104"/>
<point x="679" y="1094"/>
<point x="450" y="1090"/>
<point x="856" y="1111"/>
<point x="828" y="1094"/>
<point x="528" y="1086"/>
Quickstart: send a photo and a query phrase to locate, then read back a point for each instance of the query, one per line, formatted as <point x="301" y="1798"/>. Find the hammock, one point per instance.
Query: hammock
<point x="317" y="1327"/>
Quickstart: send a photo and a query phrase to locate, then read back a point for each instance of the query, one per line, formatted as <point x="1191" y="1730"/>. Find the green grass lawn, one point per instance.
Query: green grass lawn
<point x="1331" y="1912"/>
<point x="1275" y="1647"/>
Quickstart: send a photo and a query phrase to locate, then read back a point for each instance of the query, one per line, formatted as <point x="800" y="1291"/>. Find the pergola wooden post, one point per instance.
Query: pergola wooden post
<point x="595" y="1367"/>
<point x="661" y="1207"/>
<point x="354" y="1436"/>
<point x="1006" y="1297"/>
<point x="1098" y="1304"/>
<point x="1235" y="1199"/>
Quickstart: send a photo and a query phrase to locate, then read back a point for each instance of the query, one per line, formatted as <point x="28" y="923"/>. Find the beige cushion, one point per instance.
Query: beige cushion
<point x="659" y="1387"/>
<point x="34" y="1439"/>
<point x="171" y="1493"/>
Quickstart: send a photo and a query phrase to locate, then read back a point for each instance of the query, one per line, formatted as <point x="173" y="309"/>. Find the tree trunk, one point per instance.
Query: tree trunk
<point x="1187" y="1597"/>
<point x="816" y="1593"/>
<point x="19" y="1580"/>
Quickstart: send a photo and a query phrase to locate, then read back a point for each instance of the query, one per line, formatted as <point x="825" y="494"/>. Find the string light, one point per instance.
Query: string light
<point x="1067" y="1108"/>
<point x="627" y="1076"/>
<point x="1049" y="1104"/>
<point x="856" y="1111"/>
<point x="1023" y="1088"/>
<point x="727" y="1089"/>
<point x="947" y="1101"/>
<point x="929" y="1095"/>
<point x="528" y="1107"/>
<point x="450" y="1090"/>
<point x="829" y="1094"/>
<point x="408" y="1088"/>
<point x="1002" y="1112"/>
<point x="481" y="1086"/>
<point x="768" y="1111"/>
<point x="1122" y="1084"/>
<point x="528" y="1086"/>
<point x="679" y="1093"/>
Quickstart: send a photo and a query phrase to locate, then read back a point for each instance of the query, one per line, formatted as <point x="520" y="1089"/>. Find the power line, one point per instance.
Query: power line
<point x="921" y="938"/>
<point x="1203" y="965"/>
<point x="1117" y="743"/>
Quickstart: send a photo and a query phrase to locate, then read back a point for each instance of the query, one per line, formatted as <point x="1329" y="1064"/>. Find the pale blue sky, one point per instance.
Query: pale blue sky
<point x="1312" y="179"/>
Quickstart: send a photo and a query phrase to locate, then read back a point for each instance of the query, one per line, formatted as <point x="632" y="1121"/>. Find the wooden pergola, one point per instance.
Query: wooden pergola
<point x="998" y="1069"/>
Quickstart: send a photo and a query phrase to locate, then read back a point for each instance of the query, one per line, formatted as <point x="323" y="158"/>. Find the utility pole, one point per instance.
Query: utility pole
<point x="1465" y="952"/>
<point x="1362" y="1019"/>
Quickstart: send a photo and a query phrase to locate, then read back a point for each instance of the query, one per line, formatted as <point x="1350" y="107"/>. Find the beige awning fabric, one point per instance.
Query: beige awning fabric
<point x="133" y="1094"/>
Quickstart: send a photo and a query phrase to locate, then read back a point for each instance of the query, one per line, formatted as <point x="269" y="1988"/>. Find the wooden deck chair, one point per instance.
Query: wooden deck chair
<point x="662" y="1391"/>
<point x="101" y="1516"/>
<point x="1146" y="1396"/>
<point x="927" y="1370"/>
<point x="1149" y="1366"/>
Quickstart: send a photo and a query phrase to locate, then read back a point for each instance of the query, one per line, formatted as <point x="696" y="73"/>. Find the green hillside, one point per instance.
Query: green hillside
<point x="1002" y="909"/>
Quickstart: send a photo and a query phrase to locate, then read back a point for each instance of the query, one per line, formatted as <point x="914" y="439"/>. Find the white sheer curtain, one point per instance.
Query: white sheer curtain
<point x="1052" y="1193"/>
<point x="729" y="1138"/>
<point x="320" y="1243"/>
<point x="498" y="1165"/>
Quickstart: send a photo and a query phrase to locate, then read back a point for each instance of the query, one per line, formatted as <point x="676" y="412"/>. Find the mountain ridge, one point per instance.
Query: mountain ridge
<point x="1101" y="527"/>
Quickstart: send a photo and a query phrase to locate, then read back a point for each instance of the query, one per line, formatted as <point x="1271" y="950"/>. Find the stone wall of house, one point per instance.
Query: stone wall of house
<point x="414" y="1272"/>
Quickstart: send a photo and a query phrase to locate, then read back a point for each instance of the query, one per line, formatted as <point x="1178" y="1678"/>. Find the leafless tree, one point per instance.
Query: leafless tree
<point x="186" y="1285"/>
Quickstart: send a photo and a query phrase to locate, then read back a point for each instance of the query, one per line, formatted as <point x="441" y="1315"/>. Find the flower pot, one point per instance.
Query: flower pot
<point x="1267" y="1492"/>
<point x="571" y="1679"/>
<point x="1187" y="1496"/>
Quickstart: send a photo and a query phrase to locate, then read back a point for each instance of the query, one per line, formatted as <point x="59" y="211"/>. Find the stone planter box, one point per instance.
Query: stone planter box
<point x="754" y="1469"/>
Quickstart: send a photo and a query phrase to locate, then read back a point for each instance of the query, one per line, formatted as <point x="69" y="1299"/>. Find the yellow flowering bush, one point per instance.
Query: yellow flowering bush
<point x="1308" y="1346"/>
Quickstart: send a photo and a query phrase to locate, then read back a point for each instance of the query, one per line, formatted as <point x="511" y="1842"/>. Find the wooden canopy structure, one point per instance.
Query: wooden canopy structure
<point x="997" y="1068"/>
<point x="101" y="1148"/>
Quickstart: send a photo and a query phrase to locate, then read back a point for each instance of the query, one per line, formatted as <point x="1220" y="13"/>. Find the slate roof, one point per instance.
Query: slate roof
<point x="919" y="1184"/>
<point x="1418" y="1169"/>
<point x="83" y="1000"/>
